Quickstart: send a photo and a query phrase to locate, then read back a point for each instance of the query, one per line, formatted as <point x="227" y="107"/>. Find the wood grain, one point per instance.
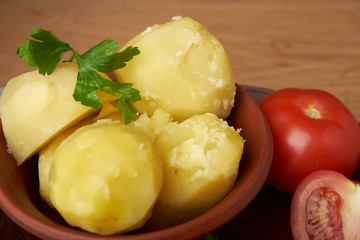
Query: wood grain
<point x="271" y="43"/>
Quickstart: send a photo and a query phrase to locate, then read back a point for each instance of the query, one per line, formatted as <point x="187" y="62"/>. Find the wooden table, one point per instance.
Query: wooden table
<point x="271" y="44"/>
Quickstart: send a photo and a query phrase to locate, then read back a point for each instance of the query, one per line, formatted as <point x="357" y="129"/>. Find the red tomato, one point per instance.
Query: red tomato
<point x="312" y="130"/>
<point x="325" y="205"/>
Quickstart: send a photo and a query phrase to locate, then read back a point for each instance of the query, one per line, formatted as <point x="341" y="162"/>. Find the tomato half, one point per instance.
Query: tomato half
<point x="325" y="205"/>
<point x="312" y="130"/>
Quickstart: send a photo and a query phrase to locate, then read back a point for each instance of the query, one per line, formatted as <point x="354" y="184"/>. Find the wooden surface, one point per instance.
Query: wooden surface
<point x="271" y="44"/>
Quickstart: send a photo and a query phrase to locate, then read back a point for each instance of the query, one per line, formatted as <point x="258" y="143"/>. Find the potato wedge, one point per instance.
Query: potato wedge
<point x="34" y="108"/>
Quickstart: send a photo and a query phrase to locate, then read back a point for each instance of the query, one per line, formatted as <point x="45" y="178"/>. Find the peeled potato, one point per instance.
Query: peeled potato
<point x="34" y="108"/>
<point x="105" y="178"/>
<point x="46" y="158"/>
<point x="201" y="158"/>
<point x="182" y="69"/>
<point x="150" y="125"/>
<point x="46" y="154"/>
<point x="155" y="124"/>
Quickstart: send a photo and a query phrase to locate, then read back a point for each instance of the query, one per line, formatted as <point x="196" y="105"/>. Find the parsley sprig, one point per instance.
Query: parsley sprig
<point x="46" y="51"/>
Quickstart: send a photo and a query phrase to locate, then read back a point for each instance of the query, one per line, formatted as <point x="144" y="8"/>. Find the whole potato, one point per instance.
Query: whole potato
<point x="105" y="178"/>
<point x="47" y="153"/>
<point x="182" y="69"/>
<point x="201" y="157"/>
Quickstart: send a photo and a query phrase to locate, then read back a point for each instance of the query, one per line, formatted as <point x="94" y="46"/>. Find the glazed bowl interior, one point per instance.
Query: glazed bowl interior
<point x="20" y="199"/>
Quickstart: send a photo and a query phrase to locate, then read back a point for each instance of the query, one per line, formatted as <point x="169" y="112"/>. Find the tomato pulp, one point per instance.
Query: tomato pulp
<point x="312" y="130"/>
<point x="325" y="205"/>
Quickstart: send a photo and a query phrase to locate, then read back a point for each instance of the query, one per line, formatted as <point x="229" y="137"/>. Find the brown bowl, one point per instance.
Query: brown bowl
<point x="20" y="199"/>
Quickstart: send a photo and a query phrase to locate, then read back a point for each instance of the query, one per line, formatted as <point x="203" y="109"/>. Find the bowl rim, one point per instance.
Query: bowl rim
<point x="45" y="229"/>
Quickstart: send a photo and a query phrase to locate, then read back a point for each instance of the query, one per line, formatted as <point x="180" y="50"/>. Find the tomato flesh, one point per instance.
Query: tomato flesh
<point x="325" y="205"/>
<point x="323" y="216"/>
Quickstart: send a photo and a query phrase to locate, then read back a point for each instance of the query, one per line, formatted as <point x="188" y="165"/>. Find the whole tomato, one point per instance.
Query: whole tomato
<point x="312" y="130"/>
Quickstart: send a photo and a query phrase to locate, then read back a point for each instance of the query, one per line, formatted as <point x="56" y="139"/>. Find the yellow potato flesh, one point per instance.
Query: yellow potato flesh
<point x="34" y="108"/>
<point x="182" y="69"/>
<point x="105" y="178"/>
<point x="201" y="158"/>
<point x="155" y="124"/>
<point x="46" y="154"/>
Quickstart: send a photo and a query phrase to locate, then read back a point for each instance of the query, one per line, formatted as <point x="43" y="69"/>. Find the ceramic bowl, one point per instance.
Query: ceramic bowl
<point x="20" y="200"/>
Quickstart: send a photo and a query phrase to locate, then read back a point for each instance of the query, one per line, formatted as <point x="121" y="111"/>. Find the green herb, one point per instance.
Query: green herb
<point x="209" y="236"/>
<point x="48" y="50"/>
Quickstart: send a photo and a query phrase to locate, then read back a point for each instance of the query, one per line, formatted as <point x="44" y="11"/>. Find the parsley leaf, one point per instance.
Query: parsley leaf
<point x="46" y="51"/>
<point x="209" y="236"/>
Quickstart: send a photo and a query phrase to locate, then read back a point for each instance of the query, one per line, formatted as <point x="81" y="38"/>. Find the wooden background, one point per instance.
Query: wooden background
<point x="271" y="43"/>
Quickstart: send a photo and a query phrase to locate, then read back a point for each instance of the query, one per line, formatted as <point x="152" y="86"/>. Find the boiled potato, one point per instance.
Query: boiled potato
<point x="151" y="126"/>
<point x="46" y="154"/>
<point x="105" y="178"/>
<point x="182" y="69"/>
<point x="34" y="108"/>
<point x="201" y="158"/>
<point x="154" y="125"/>
<point x="46" y="158"/>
